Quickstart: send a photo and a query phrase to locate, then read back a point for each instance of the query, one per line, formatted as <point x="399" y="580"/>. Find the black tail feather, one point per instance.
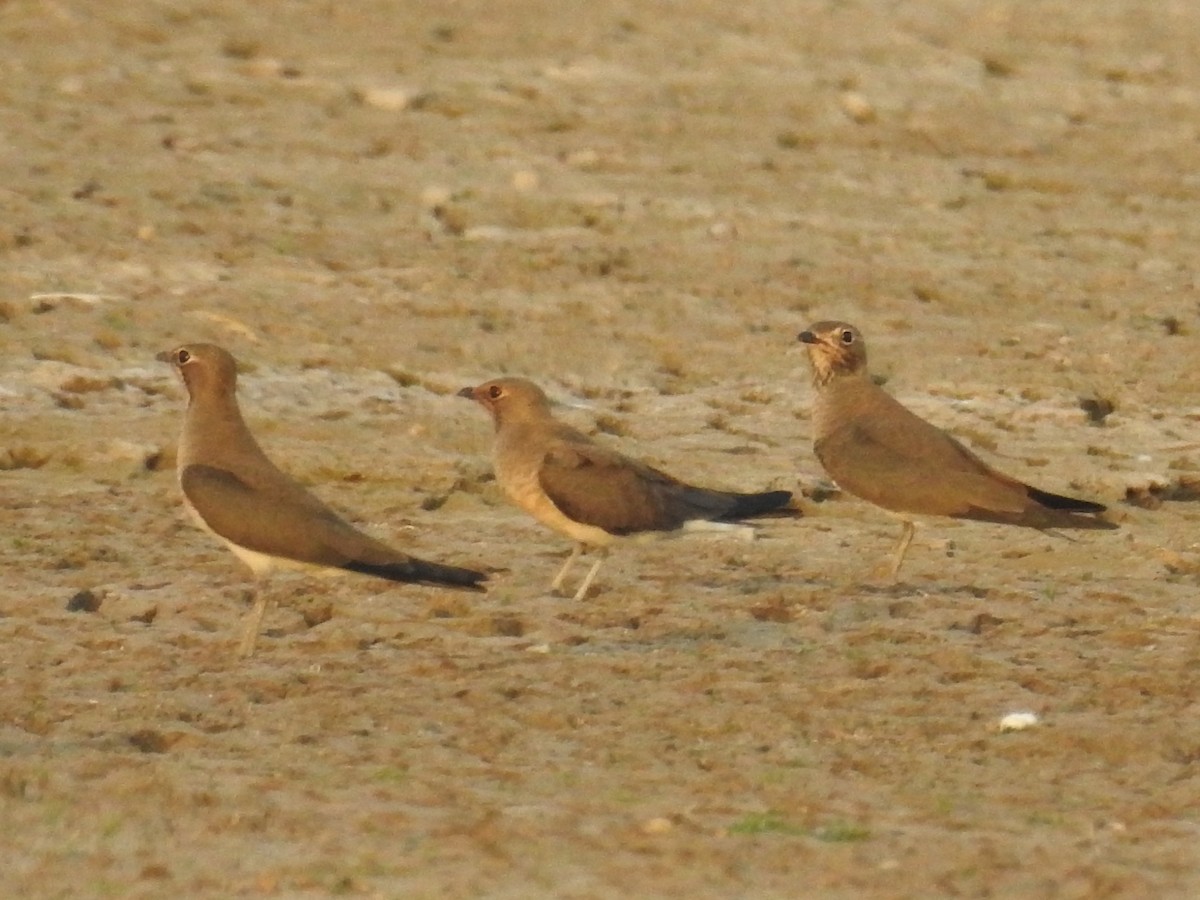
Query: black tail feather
<point x="418" y="571"/>
<point x="747" y="506"/>
<point x="1066" y="504"/>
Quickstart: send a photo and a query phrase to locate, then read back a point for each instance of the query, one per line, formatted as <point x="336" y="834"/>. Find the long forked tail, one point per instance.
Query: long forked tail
<point x="747" y="506"/>
<point x="418" y="571"/>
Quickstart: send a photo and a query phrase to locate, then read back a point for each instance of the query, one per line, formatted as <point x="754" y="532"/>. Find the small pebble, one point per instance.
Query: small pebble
<point x="1018" y="721"/>
<point x="84" y="601"/>
<point x="390" y="99"/>
<point x="857" y="107"/>
<point x="657" y="825"/>
<point x="525" y="181"/>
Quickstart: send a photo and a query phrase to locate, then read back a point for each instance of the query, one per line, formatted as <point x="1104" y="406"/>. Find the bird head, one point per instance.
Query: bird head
<point x="203" y="367"/>
<point x="509" y="399"/>
<point x="835" y="350"/>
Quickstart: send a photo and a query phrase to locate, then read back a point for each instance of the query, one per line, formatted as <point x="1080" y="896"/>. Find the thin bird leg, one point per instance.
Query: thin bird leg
<point x="601" y="555"/>
<point x="906" y="538"/>
<point x="253" y="623"/>
<point x="557" y="583"/>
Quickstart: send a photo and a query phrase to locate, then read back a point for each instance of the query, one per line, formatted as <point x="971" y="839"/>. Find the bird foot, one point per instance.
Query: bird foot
<point x="884" y="573"/>
<point x="583" y="592"/>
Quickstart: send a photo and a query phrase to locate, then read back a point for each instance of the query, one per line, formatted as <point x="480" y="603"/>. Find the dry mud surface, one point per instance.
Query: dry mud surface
<point x="373" y="204"/>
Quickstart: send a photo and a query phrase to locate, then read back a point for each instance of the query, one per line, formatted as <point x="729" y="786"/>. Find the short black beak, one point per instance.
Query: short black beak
<point x="807" y="337"/>
<point x="167" y="356"/>
<point x="468" y="392"/>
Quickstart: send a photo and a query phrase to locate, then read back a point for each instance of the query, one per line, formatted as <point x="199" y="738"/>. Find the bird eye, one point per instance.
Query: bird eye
<point x="182" y="356"/>
<point x="495" y="391"/>
<point x="847" y="336"/>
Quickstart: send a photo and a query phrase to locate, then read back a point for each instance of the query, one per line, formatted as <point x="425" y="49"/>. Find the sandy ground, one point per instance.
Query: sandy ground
<point x="373" y="204"/>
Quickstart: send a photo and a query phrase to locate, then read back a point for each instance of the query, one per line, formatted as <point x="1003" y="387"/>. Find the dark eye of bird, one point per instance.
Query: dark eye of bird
<point x="183" y="356"/>
<point x="494" y="392"/>
<point x="847" y="337"/>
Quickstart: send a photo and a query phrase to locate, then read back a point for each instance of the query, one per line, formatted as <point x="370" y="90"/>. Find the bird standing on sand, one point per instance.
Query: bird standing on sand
<point x="878" y="450"/>
<point x="268" y="520"/>
<point x="589" y="493"/>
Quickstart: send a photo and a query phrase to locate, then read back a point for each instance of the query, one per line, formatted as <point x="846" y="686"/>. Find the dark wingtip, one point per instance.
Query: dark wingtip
<point x="1066" y="504"/>
<point x="452" y="576"/>
<point x="417" y="571"/>
<point x="1076" y="513"/>
<point x="749" y="505"/>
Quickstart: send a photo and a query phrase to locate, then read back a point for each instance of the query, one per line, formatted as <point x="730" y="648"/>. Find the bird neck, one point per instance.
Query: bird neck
<point x="839" y="393"/>
<point x="516" y="417"/>
<point x="212" y="431"/>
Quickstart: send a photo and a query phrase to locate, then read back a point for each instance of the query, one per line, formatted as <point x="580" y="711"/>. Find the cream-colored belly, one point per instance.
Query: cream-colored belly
<point x="261" y="564"/>
<point x="521" y="486"/>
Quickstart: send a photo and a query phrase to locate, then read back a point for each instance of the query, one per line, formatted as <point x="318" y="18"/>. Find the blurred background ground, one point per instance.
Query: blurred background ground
<point x="639" y="206"/>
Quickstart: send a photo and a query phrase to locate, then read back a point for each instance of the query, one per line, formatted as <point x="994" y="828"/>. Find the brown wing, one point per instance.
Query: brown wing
<point x="284" y="520"/>
<point x="892" y="457"/>
<point x="918" y="470"/>
<point x="603" y="488"/>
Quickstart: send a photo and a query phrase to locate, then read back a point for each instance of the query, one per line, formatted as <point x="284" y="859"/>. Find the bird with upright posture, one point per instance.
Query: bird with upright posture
<point x="880" y="451"/>
<point x="590" y="493"/>
<point x="268" y="520"/>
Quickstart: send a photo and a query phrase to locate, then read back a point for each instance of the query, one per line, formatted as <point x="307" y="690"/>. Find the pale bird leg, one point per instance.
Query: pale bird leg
<point x="557" y="583"/>
<point x="253" y="623"/>
<point x="591" y="575"/>
<point x="910" y="529"/>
